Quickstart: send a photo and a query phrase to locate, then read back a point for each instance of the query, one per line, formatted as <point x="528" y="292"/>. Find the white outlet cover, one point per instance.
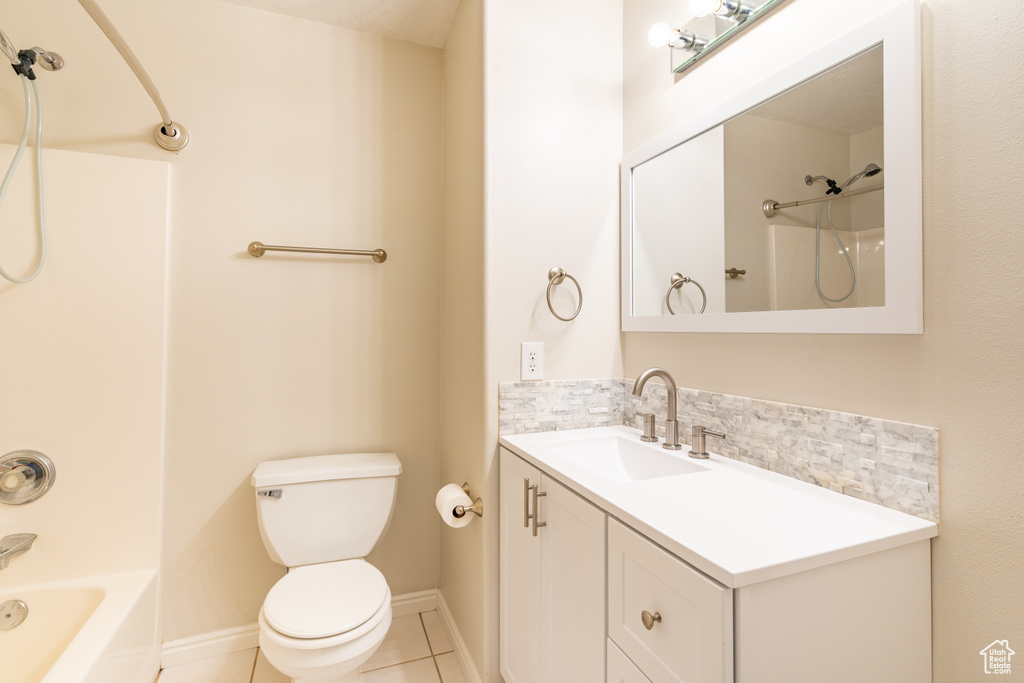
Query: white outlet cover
<point x="531" y="363"/>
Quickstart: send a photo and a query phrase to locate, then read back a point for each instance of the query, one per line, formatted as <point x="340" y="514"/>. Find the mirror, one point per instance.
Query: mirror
<point x="796" y="210"/>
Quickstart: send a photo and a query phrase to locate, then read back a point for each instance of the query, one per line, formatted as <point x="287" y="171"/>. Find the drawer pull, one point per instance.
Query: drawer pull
<point x="650" y="619"/>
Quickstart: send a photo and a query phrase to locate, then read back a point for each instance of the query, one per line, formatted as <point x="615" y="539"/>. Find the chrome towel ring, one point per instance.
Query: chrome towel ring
<point x="555" y="277"/>
<point x="678" y="280"/>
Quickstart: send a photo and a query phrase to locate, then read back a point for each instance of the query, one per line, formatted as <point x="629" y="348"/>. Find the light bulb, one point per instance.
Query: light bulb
<point x="702" y="8"/>
<point x="660" y="34"/>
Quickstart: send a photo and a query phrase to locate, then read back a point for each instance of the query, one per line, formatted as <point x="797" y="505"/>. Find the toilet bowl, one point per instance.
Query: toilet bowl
<point x="319" y="517"/>
<point x="319" y="623"/>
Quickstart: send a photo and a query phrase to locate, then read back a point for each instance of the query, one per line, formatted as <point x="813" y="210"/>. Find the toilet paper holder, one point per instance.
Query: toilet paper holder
<point x="477" y="508"/>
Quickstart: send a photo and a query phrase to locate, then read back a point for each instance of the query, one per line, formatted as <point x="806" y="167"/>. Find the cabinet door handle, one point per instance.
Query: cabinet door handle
<point x="537" y="493"/>
<point x="526" y="503"/>
<point x="650" y="619"/>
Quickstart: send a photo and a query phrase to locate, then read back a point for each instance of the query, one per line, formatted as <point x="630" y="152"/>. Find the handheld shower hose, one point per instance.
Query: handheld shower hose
<point x="19" y="60"/>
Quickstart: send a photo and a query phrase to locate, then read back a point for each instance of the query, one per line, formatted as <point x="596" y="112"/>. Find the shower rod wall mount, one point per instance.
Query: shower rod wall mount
<point x="169" y="135"/>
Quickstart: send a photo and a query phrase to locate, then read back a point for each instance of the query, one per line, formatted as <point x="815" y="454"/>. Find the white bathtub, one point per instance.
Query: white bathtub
<point x="97" y="630"/>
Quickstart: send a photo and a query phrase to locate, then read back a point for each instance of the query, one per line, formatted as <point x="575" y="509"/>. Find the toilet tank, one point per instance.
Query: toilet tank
<point x="326" y="507"/>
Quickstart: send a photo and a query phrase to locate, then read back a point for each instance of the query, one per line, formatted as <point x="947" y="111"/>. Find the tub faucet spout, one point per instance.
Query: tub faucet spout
<point x="671" y="425"/>
<point x="14" y="545"/>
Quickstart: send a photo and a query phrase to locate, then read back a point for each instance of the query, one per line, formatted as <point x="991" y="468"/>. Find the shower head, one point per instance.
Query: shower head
<point x="869" y="170"/>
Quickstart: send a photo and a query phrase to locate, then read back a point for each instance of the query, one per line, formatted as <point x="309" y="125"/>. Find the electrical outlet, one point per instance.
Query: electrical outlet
<point x="532" y="366"/>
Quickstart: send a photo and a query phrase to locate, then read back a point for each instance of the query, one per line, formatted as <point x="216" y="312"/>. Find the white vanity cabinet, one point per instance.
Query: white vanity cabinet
<point x="795" y="584"/>
<point x="552" y="577"/>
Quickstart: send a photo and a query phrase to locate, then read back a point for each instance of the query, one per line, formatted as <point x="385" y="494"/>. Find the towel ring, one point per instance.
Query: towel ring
<point x="555" y="277"/>
<point x="678" y="280"/>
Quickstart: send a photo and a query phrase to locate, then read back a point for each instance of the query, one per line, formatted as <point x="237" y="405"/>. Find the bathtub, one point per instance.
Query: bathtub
<point x="97" y="630"/>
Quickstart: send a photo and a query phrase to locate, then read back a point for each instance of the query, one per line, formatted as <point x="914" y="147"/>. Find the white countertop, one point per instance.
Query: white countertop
<point x="735" y="522"/>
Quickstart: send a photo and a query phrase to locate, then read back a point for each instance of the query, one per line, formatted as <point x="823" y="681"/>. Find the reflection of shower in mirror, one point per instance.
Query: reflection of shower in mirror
<point x="869" y="171"/>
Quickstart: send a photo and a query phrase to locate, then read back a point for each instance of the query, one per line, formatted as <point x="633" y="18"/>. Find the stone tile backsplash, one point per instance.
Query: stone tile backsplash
<point x="526" y="407"/>
<point x="889" y="463"/>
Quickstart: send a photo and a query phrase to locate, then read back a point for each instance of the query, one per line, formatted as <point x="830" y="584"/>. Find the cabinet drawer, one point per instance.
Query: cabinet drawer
<point x="620" y="669"/>
<point x="692" y="642"/>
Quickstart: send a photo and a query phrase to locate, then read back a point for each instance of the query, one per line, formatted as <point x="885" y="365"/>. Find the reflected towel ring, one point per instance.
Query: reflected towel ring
<point x="555" y="277"/>
<point x="678" y="280"/>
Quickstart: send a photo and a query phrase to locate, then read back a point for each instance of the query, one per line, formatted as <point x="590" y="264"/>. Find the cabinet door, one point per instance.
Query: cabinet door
<point x="620" y="669"/>
<point x="690" y="639"/>
<point x="519" y="576"/>
<point x="573" y="586"/>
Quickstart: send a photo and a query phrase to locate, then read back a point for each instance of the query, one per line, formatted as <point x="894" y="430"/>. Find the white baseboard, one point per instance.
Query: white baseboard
<point x="413" y="603"/>
<point x="207" y="645"/>
<point x="220" y="643"/>
<point x="469" y="671"/>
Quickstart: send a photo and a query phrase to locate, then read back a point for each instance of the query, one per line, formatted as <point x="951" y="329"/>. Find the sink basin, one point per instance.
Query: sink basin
<point x="622" y="460"/>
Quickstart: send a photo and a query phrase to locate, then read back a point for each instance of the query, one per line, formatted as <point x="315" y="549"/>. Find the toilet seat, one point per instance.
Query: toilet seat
<point x="325" y="600"/>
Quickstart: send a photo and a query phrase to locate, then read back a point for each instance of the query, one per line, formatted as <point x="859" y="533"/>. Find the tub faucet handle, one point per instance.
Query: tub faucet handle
<point x="14" y="545"/>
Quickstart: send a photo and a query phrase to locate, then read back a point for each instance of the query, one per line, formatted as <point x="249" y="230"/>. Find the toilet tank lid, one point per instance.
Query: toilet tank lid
<point x="326" y="468"/>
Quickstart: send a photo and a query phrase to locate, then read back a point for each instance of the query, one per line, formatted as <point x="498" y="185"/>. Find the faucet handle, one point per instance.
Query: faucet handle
<point x="697" y="447"/>
<point x="648" y="434"/>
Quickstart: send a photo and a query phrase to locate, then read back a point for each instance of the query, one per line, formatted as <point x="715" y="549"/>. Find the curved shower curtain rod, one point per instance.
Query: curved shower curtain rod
<point x="169" y="135"/>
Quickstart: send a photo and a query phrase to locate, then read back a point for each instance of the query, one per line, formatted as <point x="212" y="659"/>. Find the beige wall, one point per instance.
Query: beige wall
<point x="302" y="134"/>
<point x="543" y="195"/>
<point x="965" y="374"/>
<point x="466" y="401"/>
<point x="553" y="115"/>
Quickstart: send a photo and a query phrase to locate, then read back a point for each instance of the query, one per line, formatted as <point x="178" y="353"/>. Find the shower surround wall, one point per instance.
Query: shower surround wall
<point x="889" y="463"/>
<point x="82" y="364"/>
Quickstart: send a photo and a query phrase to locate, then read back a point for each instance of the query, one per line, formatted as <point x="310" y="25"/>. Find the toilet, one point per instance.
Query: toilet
<point x="319" y="517"/>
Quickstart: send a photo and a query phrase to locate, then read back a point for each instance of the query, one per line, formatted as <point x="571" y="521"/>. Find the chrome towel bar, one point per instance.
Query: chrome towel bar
<point x="257" y="249"/>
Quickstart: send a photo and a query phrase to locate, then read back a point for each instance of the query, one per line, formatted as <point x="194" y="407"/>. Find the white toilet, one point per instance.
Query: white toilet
<point x="320" y="517"/>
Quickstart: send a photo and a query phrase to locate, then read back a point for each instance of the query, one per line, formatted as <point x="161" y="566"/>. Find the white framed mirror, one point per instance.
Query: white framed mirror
<point x="742" y="188"/>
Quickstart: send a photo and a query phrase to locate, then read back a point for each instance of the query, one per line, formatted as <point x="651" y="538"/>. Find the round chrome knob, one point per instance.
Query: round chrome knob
<point x="650" y="619"/>
<point x="25" y="476"/>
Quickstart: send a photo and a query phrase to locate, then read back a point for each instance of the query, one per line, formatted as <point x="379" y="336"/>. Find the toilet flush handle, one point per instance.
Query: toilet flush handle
<point x="270" y="493"/>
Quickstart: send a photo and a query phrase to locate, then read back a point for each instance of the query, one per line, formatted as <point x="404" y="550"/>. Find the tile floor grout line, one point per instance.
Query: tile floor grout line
<point x="430" y="646"/>
<point x="438" y="670"/>
<point x="255" y="660"/>
<point x="408" y="661"/>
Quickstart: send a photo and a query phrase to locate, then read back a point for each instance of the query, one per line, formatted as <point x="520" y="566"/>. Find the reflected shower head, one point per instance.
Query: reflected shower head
<point x="869" y="170"/>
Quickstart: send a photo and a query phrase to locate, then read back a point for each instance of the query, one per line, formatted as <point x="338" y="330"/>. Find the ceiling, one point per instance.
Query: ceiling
<point x="425" y="22"/>
<point x="846" y="99"/>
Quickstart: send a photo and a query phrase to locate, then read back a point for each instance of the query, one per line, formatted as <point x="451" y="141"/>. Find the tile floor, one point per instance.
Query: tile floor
<point x="416" y="650"/>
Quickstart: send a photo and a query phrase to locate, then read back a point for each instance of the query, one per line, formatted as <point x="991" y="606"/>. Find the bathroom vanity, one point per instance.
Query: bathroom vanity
<point x="625" y="562"/>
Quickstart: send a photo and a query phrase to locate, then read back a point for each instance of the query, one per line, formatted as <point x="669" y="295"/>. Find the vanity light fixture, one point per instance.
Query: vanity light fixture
<point x="661" y="34"/>
<point x="729" y="9"/>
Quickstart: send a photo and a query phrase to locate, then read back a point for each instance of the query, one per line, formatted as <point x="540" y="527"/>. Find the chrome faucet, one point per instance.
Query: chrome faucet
<point x="671" y="425"/>
<point x="14" y="545"/>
